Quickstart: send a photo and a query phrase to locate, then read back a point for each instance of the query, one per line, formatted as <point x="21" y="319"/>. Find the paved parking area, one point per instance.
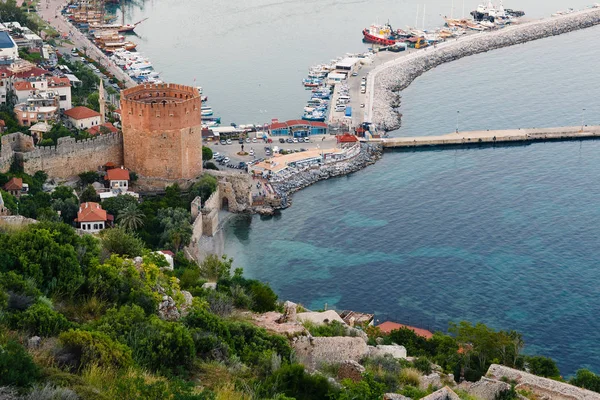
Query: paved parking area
<point x="259" y="147"/>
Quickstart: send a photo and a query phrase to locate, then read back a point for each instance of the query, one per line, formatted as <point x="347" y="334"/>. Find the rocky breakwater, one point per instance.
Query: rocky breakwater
<point x="369" y="154"/>
<point x="390" y="78"/>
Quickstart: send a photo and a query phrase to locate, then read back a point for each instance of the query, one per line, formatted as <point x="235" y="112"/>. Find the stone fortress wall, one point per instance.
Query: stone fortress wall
<point x="162" y="131"/>
<point x="68" y="158"/>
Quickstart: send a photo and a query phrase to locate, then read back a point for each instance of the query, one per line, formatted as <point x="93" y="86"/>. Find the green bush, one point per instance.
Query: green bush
<point x="42" y="320"/>
<point x="16" y="365"/>
<point x="334" y="328"/>
<point x="294" y="381"/>
<point x="244" y="340"/>
<point x="264" y="298"/>
<point x="368" y="389"/>
<point x="120" y="242"/>
<point x="82" y="348"/>
<point x="423" y="365"/>
<point x="543" y="366"/>
<point x="586" y="379"/>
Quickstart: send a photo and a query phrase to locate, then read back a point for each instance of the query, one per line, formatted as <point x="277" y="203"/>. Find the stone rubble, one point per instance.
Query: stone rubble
<point x="399" y="74"/>
<point x="368" y="155"/>
<point x="350" y="369"/>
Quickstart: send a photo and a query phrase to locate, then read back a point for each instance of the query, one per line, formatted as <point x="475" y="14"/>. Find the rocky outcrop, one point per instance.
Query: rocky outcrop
<point x="320" y="318"/>
<point x="434" y="380"/>
<point x="313" y="352"/>
<point x="543" y="388"/>
<point x="395" y="396"/>
<point x="368" y="155"/>
<point x="352" y="370"/>
<point x="167" y="309"/>
<point x="392" y="77"/>
<point x="271" y="321"/>
<point x="393" y="350"/>
<point x="487" y="389"/>
<point x="444" y="393"/>
<point x="289" y="312"/>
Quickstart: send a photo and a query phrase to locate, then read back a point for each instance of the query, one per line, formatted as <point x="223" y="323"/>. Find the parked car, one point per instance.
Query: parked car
<point x="228" y="141"/>
<point x="226" y="160"/>
<point x="254" y="140"/>
<point x="290" y="140"/>
<point x="223" y="142"/>
<point x="295" y="140"/>
<point x="216" y="154"/>
<point x="248" y="140"/>
<point x="241" y="141"/>
<point x="281" y="140"/>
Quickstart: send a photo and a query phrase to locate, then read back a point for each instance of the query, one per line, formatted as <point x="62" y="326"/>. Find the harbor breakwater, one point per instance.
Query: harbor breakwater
<point x="369" y="154"/>
<point x="385" y="81"/>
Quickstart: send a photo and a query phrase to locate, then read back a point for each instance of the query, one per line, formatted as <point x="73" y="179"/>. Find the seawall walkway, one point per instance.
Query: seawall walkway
<point x="397" y="74"/>
<point x="493" y="137"/>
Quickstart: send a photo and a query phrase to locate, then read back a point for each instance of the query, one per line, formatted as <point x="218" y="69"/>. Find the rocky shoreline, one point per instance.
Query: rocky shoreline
<point x="397" y="75"/>
<point x="369" y="154"/>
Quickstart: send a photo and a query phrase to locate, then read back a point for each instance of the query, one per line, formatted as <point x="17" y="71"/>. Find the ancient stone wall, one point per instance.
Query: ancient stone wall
<point x="70" y="157"/>
<point x="162" y="131"/>
<point x="10" y="145"/>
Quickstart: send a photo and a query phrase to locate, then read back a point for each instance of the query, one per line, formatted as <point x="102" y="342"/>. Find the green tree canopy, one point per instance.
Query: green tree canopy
<point x="177" y="229"/>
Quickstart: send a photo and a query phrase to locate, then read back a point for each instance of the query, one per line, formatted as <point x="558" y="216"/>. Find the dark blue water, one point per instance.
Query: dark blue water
<point x="507" y="236"/>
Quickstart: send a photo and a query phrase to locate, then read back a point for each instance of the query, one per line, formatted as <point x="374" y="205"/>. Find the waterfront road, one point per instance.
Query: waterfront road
<point x="50" y="11"/>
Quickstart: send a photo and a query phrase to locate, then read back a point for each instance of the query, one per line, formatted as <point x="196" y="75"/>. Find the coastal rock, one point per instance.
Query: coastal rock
<point x="270" y="321"/>
<point x="320" y="318"/>
<point x="393" y="350"/>
<point x="543" y="388"/>
<point x="289" y="312"/>
<point x="34" y="342"/>
<point x="369" y="154"/>
<point x="167" y="309"/>
<point x="210" y="285"/>
<point x="350" y="369"/>
<point x="187" y="303"/>
<point x="487" y="389"/>
<point x="434" y="380"/>
<point x="312" y="352"/>
<point x="444" y="393"/>
<point x="395" y="396"/>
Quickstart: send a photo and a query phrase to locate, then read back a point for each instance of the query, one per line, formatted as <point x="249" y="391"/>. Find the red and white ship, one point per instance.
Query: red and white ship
<point x="380" y="34"/>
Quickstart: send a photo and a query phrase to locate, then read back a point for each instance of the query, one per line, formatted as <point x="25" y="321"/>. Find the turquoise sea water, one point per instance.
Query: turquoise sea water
<point x="503" y="235"/>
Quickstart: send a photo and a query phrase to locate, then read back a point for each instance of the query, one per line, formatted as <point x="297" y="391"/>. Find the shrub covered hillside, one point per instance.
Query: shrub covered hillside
<point x="101" y="335"/>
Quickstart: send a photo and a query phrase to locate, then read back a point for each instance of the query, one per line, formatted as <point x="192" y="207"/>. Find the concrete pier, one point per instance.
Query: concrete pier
<point x="493" y="137"/>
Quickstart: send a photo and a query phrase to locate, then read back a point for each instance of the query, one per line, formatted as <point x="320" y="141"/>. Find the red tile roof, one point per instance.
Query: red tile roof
<point x="168" y="252"/>
<point x="91" y="212"/>
<point x="294" y="122"/>
<point x="388" y="327"/>
<point x="14" y="184"/>
<point x="117" y="174"/>
<point x="95" y="130"/>
<point x="81" y="112"/>
<point x="31" y="72"/>
<point x="54" y="81"/>
<point x="22" y="85"/>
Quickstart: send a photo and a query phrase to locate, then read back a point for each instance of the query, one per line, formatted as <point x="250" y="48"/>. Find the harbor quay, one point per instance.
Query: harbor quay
<point x="385" y="81"/>
<point x="493" y="137"/>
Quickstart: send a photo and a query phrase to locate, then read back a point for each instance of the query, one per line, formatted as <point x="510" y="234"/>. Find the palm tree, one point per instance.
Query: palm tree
<point x="131" y="218"/>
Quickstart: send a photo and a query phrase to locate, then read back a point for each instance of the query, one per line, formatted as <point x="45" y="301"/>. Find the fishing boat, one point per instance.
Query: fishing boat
<point x="380" y="34"/>
<point x="143" y="73"/>
<point x="314" y="116"/>
<point x="204" y="98"/>
<point x="206" y="118"/>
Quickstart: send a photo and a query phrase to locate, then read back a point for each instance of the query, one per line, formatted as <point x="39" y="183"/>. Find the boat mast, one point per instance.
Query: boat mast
<point x="417" y="18"/>
<point x="424" y="16"/>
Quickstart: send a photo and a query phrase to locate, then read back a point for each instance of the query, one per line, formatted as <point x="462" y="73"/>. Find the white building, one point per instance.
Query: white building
<point x="91" y="217"/>
<point x="82" y="118"/>
<point x="8" y="47"/>
<point x="118" y="178"/>
<point x="61" y="85"/>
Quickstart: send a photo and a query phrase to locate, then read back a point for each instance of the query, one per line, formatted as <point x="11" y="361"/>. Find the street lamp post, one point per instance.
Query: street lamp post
<point x="457" y="114"/>
<point x="582" y="119"/>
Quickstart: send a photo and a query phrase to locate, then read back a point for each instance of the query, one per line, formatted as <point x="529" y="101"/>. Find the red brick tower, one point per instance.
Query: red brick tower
<point x="162" y="131"/>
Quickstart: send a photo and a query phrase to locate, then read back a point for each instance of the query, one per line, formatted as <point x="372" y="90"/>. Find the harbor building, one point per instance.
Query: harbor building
<point x="297" y="128"/>
<point x="162" y="132"/>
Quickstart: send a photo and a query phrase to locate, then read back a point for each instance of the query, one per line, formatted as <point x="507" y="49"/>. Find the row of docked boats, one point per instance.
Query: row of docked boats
<point x="138" y="67"/>
<point x="485" y="17"/>
<point x="206" y="112"/>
